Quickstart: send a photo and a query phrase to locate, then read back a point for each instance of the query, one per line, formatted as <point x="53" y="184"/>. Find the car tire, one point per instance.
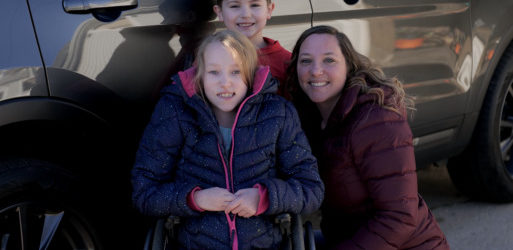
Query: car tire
<point x="37" y="210"/>
<point x="485" y="169"/>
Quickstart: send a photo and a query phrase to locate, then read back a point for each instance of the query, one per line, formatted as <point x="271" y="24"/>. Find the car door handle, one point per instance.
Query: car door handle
<point x="84" y="6"/>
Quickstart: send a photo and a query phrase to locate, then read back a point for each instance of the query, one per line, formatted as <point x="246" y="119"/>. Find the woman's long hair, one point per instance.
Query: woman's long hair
<point x="360" y="72"/>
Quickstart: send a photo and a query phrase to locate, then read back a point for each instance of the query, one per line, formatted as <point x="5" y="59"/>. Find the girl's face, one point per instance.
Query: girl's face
<point x="321" y="69"/>
<point x="223" y="80"/>
<point x="246" y="16"/>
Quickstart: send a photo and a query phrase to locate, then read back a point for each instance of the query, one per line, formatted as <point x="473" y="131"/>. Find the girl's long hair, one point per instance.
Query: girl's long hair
<point x="360" y="72"/>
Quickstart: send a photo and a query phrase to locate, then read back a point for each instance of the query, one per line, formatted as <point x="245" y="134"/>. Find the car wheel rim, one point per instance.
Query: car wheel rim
<point x="32" y="225"/>
<point x="506" y="129"/>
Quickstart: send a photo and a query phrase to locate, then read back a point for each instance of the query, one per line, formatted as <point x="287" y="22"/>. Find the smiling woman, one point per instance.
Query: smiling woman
<point x="355" y="119"/>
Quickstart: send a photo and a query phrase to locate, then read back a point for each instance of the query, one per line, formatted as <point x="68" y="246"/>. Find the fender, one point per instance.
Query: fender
<point x="497" y="43"/>
<point x="53" y="129"/>
<point x="45" y="109"/>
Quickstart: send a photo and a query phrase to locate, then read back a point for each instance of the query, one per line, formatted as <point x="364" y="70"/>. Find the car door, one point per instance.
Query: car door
<point x="289" y="19"/>
<point x="427" y="44"/>
<point x="118" y="66"/>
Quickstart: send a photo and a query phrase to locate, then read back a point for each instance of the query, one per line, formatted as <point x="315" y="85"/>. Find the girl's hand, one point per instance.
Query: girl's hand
<point x="245" y="204"/>
<point x="213" y="199"/>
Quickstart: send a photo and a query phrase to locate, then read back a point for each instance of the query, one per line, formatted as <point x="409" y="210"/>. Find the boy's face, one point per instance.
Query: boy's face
<point x="246" y="16"/>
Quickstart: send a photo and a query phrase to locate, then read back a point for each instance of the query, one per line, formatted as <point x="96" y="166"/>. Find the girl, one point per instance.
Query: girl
<point x="225" y="153"/>
<point x="356" y="119"/>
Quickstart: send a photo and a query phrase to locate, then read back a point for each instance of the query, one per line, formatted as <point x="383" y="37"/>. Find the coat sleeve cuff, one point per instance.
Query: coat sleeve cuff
<point x="263" y="203"/>
<point x="190" y="200"/>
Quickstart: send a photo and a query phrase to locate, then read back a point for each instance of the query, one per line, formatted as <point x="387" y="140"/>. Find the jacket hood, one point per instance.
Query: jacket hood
<point x="345" y="104"/>
<point x="262" y="83"/>
<point x="352" y="96"/>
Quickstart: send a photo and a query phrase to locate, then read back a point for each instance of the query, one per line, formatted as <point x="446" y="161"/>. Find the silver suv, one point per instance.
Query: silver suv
<point x="79" y="78"/>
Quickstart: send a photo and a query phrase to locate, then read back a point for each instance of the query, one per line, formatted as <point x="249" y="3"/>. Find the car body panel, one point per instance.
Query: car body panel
<point x="66" y="75"/>
<point x="491" y="28"/>
<point x="289" y="19"/>
<point x="21" y="69"/>
<point x="425" y="44"/>
<point x="109" y="67"/>
<point x="443" y="52"/>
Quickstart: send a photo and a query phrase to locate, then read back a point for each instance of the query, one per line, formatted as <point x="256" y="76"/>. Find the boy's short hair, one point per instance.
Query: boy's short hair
<point x="239" y="44"/>
<point x="220" y="2"/>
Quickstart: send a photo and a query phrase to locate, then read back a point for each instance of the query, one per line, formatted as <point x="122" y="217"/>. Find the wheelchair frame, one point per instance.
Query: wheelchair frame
<point x="162" y="235"/>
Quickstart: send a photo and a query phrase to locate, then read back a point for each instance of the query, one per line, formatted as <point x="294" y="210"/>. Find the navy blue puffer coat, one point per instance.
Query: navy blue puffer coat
<point x="181" y="149"/>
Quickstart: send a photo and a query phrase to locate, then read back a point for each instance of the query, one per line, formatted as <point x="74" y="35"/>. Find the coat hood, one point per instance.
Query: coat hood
<point x="262" y="83"/>
<point x="352" y="96"/>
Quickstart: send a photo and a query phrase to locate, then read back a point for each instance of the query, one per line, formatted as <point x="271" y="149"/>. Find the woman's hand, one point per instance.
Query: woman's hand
<point x="213" y="199"/>
<point x="245" y="204"/>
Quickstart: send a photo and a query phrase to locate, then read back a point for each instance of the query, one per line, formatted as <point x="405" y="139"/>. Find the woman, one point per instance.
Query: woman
<point x="355" y="119"/>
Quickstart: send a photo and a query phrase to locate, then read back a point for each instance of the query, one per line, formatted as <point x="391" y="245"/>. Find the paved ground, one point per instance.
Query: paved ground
<point x="467" y="224"/>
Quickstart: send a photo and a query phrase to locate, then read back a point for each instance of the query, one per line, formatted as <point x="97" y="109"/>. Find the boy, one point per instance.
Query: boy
<point x="250" y="17"/>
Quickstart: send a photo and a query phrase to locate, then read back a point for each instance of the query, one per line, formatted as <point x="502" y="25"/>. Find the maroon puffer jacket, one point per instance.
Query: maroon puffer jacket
<point x="367" y="163"/>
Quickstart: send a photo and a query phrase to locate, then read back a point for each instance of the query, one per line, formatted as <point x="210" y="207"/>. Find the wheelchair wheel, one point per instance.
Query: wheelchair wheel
<point x="162" y="236"/>
<point x="309" y="236"/>
<point x="159" y="240"/>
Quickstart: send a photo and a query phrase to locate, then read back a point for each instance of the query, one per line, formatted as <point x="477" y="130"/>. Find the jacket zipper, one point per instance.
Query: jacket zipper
<point x="229" y="180"/>
<point x="231" y="221"/>
<point x="229" y="175"/>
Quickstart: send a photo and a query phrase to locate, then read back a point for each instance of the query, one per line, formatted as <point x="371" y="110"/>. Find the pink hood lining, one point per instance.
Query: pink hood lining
<point x="187" y="79"/>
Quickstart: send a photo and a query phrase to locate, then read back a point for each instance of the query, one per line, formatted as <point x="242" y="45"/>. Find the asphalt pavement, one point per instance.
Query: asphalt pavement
<point x="467" y="224"/>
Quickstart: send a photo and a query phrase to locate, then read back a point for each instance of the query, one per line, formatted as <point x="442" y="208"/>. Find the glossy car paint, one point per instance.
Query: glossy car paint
<point x="412" y="41"/>
<point x="21" y="69"/>
<point x="436" y="49"/>
<point x="122" y="62"/>
<point x="104" y="66"/>
<point x="289" y="19"/>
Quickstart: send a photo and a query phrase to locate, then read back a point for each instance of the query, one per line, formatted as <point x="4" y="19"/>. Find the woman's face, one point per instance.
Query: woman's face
<point x="321" y="69"/>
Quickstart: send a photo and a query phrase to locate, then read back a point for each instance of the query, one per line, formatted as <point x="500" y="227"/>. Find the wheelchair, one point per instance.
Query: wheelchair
<point x="296" y="235"/>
